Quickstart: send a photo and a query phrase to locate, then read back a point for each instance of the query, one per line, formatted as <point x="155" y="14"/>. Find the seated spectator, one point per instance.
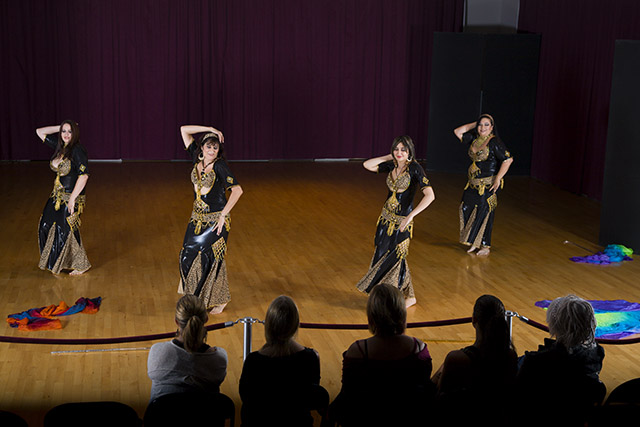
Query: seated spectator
<point x="561" y="378"/>
<point x="278" y="381"/>
<point x="187" y="363"/>
<point x="475" y="383"/>
<point x="385" y="378"/>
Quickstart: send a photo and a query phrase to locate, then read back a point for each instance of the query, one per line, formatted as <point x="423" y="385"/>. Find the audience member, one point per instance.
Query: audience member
<point x="385" y="378"/>
<point x="187" y="363"/>
<point x="475" y="383"/>
<point x="279" y="381"/>
<point x="560" y="380"/>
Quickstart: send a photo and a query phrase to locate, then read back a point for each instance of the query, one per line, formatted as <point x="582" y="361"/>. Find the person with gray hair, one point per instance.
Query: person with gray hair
<point x="562" y="377"/>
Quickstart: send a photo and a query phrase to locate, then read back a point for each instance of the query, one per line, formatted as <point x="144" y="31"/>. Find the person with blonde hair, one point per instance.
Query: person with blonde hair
<point x="386" y="377"/>
<point x="563" y="375"/>
<point x="187" y="363"/>
<point x="279" y="381"/>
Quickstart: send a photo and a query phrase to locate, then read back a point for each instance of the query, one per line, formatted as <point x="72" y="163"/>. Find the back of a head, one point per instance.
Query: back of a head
<point x="386" y="311"/>
<point x="572" y="321"/>
<point x="281" y="322"/>
<point x="191" y="316"/>
<point x="489" y="317"/>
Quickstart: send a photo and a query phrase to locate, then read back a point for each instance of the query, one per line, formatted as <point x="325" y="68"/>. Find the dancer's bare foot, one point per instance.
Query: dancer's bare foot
<point x="410" y="301"/>
<point x="483" y="252"/>
<point x="78" y="272"/>
<point x="218" y="309"/>
<point x="471" y="249"/>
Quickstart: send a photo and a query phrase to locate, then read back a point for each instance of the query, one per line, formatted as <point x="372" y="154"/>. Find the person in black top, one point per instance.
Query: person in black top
<point x="395" y="224"/>
<point x="59" y="230"/>
<point x="475" y="384"/>
<point x="203" y="270"/>
<point x="279" y="381"/>
<point x="490" y="162"/>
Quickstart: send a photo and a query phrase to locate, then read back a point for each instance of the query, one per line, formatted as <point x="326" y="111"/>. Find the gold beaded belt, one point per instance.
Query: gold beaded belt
<point x="60" y="196"/>
<point x="393" y="221"/>
<point x="200" y="219"/>
<point x="481" y="184"/>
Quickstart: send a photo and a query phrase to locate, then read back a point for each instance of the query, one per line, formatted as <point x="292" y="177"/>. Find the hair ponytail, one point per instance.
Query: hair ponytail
<point x="191" y="316"/>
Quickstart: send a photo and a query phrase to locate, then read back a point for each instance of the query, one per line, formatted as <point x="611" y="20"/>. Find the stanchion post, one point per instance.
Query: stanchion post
<point x="509" y="316"/>
<point x="248" y="326"/>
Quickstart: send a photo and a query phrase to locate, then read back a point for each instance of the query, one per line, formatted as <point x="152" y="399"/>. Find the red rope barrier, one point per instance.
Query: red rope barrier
<point x="341" y="326"/>
<point x="117" y="340"/>
<point x="431" y="324"/>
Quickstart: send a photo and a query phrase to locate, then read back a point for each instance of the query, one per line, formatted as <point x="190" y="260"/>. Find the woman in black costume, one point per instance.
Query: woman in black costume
<point x="203" y="270"/>
<point x="490" y="162"/>
<point x="59" y="231"/>
<point x="395" y="224"/>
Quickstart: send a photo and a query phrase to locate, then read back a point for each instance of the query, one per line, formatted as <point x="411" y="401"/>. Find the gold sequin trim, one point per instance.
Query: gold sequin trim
<point x="392" y="277"/>
<point x="482" y="184"/>
<point x="492" y="201"/>
<point x="478" y="240"/>
<point x="219" y="249"/>
<point x="401" y="183"/>
<point x="61" y="197"/>
<point x="72" y="257"/>
<point x="215" y="290"/>
<point x="74" y="221"/>
<point x="205" y="219"/>
<point x="202" y="182"/>
<point x="465" y="229"/>
<point x="402" y="250"/>
<point x="392" y="221"/>
<point x="46" y="250"/>
<point x="64" y="167"/>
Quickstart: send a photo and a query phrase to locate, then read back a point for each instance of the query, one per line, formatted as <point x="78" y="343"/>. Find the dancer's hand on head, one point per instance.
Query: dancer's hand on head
<point x="220" y="135"/>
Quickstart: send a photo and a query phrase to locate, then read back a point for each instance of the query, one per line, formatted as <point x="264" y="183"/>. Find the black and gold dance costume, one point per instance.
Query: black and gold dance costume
<point x="389" y="264"/>
<point x="478" y="203"/>
<point x="203" y="270"/>
<point x="59" y="232"/>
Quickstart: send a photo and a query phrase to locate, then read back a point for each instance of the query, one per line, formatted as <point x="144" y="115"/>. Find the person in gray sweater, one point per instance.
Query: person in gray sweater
<point x="187" y="363"/>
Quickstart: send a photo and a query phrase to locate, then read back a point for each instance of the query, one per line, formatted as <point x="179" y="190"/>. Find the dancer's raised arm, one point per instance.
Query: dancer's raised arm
<point x="187" y="132"/>
<point x="47" y="130"/>
<point x="461" y="130"/>
<point x="372" y="164"/>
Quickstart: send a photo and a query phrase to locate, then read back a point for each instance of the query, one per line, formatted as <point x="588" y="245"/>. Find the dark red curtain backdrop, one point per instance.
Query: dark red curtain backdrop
<point x="283" y="79"/>
<point x="574" y="85"/>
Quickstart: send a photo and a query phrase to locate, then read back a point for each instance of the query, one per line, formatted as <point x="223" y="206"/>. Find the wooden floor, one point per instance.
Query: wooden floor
<point x="303" y="229"/>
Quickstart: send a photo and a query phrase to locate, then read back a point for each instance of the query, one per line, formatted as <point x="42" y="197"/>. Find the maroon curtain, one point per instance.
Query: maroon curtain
<point x="574" y="85"/>
<point x="281" y="78"/>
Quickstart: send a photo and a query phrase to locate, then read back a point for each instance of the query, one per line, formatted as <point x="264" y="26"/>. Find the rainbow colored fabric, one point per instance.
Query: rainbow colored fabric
<point x="44" y="318"/>
<point x="611" y="254"/>
<point x="616" y="319"/>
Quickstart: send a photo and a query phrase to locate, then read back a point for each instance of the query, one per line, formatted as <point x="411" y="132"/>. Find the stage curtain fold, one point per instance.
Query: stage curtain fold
<point x="283" y="79"/>
<point x="574" y="86"/>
